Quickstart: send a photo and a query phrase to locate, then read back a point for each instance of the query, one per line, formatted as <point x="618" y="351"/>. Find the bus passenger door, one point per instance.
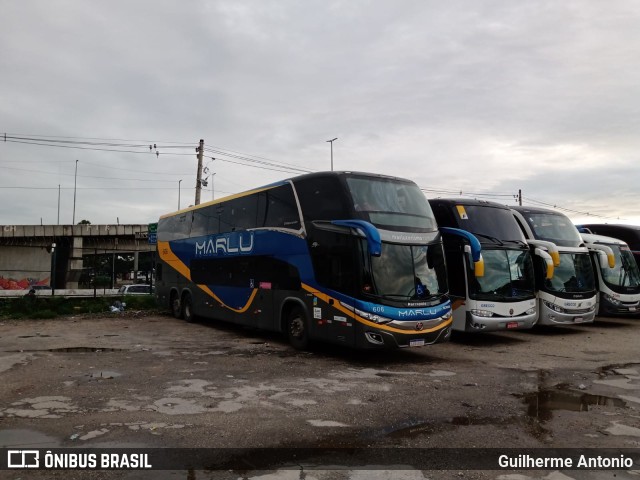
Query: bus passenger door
<point x="334" y="257"/>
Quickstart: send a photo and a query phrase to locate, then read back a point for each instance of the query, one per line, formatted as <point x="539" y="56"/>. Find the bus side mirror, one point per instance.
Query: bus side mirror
<point x="548" y="260"/>
<point x="477" y="267"/>
<point x="606" y="260"/>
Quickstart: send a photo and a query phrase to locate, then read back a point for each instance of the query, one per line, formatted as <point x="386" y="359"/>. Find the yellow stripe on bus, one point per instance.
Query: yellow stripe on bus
<point x="164" y="249"/>
<point x="336" y="304"/>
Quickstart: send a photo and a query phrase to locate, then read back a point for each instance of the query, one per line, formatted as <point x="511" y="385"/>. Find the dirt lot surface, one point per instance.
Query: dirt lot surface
<point x="154" y="381"/>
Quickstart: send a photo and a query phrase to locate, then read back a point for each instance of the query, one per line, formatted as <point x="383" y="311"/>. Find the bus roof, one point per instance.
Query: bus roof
<point x="470" y="201"/>
<point x="282" y="182"/>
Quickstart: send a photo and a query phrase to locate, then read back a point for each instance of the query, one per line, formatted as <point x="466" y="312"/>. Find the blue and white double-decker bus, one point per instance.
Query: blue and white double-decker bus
<point x="349" y="258"/>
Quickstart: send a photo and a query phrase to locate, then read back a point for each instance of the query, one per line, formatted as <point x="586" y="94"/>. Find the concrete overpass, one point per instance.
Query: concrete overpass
<point x="26" y="250"/>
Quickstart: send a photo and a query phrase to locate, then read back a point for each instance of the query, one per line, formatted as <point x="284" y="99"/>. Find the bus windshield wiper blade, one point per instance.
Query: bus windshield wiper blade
<point x="519" y="242"/>
<point x="489" y="237"/>
<point x="395" y="295"/>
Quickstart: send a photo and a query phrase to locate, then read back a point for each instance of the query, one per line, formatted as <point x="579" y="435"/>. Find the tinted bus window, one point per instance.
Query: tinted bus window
<point x="204" y="221"/>
<point x="391" y="205"/>
<point x="553" y="228"/>
<point x="322" y="198"/>
<point x="488" y="221"/>
<point x="174" y="228"/>
<point x="280" y="209"/>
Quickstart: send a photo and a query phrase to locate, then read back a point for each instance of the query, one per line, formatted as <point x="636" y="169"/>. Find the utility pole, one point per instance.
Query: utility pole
<point x="200" y="150"/>
<point x="519" y="197"/>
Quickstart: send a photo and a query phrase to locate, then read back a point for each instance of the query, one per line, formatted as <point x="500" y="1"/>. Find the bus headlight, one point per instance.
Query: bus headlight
<point x="481" y="313"/>
<point x="612" y="300"/>
<point x="372" y="317"/>
<point x="531" y="311"/>
<point x="554" y="307"/>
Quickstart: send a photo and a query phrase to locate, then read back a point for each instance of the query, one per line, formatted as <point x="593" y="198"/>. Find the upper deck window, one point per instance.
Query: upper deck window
<point x="554" y="228"/>
<point x="391" y="204"/>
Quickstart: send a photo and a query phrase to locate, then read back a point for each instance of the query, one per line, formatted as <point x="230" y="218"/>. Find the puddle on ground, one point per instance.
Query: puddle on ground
<point x="416" y="427"/>
<point x="105" y="374"/>
<point x="542" y="404"/>
<point x="85" y="349"/>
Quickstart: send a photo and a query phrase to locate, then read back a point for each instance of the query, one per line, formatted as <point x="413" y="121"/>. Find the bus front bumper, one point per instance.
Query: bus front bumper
<point x="477" y="324"/>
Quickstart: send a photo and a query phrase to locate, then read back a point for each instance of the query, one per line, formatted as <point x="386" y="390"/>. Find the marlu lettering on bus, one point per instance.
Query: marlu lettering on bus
<point x="239" y="243"/>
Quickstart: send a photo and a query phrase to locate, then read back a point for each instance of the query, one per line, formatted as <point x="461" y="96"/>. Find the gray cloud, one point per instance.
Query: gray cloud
<point x="474" y="96"/>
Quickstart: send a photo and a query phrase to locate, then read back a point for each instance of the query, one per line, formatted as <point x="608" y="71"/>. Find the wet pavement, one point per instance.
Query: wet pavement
<point x="154" y="381"/>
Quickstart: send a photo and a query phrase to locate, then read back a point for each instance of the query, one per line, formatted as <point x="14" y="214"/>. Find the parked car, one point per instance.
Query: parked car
<point x="138" y="289"/>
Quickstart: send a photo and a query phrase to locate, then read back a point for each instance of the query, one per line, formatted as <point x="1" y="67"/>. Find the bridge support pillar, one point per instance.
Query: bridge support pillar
<point x="75" y="263"/>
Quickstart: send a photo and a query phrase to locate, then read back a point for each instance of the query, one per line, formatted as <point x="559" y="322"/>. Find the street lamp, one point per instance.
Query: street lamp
<point x="331" y="142"/>
<point x="179" y="182"/>
<point x="75" y="183"/>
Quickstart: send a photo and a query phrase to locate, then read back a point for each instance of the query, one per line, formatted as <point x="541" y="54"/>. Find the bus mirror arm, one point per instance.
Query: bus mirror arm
<point x="473" y="248"/>
<point x="605" y="255"/>
<point x="548" y="260"/>
<point x="371" y="233"/>
<point x="551" y="247"/>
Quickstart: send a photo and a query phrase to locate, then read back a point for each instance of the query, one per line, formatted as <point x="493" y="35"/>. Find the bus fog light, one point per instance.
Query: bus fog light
<point x="374" y="338"/>
<point x="531" y="311"/>
<point x="554" y="307"/>
<point x="611" y="300"/>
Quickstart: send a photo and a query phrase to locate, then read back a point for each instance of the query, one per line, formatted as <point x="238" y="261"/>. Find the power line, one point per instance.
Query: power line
<point x="577" y="212"/>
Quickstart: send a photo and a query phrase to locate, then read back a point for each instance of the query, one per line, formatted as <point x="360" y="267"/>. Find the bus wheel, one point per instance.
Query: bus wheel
<point x="298" y="329"/>
<point x="187" y="308"/>
<point x="176" y="307"/>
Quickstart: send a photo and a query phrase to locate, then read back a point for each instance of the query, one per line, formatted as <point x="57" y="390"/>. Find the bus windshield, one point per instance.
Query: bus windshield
<point x="573" y="275"/>
<point x="625" y="273"/>
<point x="489" y="223"/>
<point x="554" y="228"/>
<point x="391" y="205"/>
<point x="409" y="272"/>
<point x="508" y="276"/>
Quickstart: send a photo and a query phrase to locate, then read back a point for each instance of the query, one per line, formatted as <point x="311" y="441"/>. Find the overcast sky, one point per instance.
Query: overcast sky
<point x="479" y="97"/>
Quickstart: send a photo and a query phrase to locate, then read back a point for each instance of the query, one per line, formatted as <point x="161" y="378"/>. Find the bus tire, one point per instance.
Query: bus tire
<point x="176" y="306"/>
<point x="187" y="308"/>
<point x="298" y="329"/>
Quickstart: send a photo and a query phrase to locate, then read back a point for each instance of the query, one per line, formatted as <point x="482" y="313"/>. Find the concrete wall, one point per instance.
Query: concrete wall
<point x="32" y="264"/>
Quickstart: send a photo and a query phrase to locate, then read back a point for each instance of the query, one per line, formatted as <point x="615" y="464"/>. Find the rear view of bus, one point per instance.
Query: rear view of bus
<point x="618" y="285"/>
<point x="570" y="296"/>
<point x="503" y="297"/>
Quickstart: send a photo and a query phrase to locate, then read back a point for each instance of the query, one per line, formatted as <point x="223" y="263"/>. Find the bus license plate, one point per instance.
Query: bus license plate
<point x="416" y="343"/>
<point x="512" y="325"/>
<point x="578" y="320"/>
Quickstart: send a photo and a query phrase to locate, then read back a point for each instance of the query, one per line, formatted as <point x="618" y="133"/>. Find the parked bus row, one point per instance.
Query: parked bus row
<point x="367" y="261"/>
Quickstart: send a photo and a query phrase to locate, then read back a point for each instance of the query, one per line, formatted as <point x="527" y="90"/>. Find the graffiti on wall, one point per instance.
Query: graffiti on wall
<point x="24" y="284"/>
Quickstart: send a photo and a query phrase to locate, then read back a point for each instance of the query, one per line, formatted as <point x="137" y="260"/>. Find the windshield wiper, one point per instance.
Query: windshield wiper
<point x="489" y="237"/>
<point x="395" y="295"/>
<point x="519" y="242"/>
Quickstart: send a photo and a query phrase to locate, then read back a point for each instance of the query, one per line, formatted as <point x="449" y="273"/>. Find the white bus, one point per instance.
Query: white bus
<point x="618" y="286"/>
<point x="504" y="297"/>
<point x="570" y="296"/>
